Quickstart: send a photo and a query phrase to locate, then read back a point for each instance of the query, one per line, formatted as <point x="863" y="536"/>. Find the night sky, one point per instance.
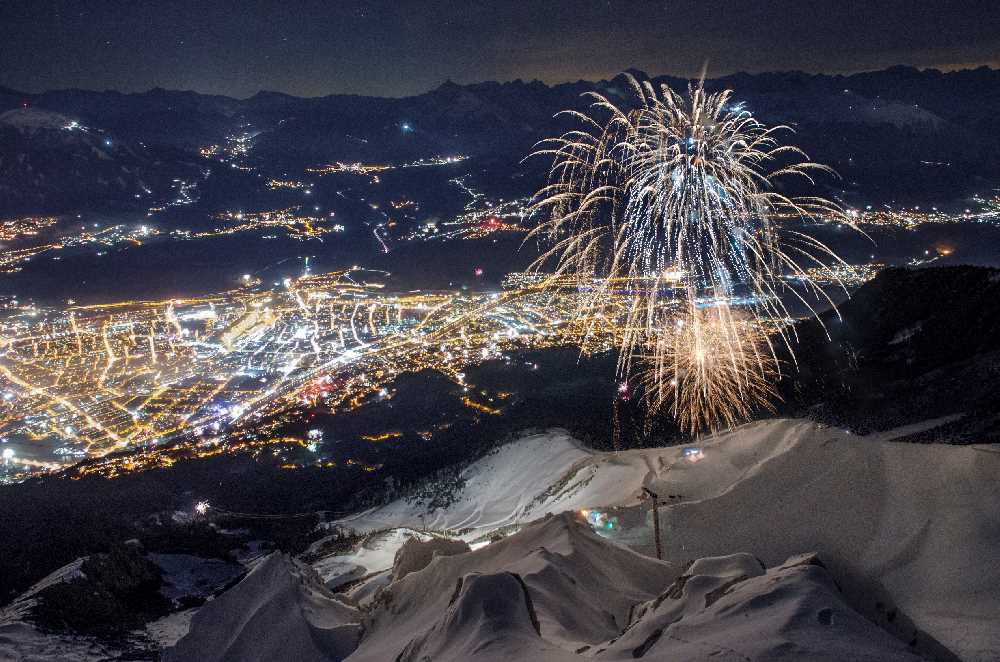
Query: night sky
<point x="395" y="48"/>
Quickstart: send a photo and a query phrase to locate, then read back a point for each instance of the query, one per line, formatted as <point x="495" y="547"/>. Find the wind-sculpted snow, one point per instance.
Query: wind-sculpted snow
<point x="731" y="608"/>
<point x="416" y="554"/>
<point x="556" y="591"/>
<point x="781" y="540"/>
<point x="491" y="618"/>
<point x="280" y="611"/>
<point x="910" y="532"/>
<point x="581" y="586"/>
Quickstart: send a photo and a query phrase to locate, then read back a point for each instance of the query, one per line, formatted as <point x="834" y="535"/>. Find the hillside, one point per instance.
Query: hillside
<point x="911" y="344"/>
<point x="769" y="490"/>
<point x="51" y="161"/>
<point x="897" y="134"/>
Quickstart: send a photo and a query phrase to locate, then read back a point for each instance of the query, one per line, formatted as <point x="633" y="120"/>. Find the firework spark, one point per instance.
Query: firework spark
<point x="714" y="368"/>
<point x="672" y="200"/>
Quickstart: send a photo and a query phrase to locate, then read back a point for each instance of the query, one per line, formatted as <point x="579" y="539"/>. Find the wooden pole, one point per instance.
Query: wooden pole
<point x="656" y="522"/>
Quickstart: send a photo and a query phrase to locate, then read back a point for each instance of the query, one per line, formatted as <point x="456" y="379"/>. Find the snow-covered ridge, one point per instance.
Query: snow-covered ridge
<point x="25" y="602"/>
<point x="34" y="119"/>
<point x="555" y="591"/>
<point x="504" y="488"/>
<point x="911" y="532"/>
<point x="281" y="610"/>
<point x="781" y="540"/>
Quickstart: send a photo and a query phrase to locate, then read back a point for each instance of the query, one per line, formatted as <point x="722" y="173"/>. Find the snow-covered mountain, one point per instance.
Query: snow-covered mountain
<point x="901" y="535"/>
<point x="555" y="591"/>
<point x="882" y="131"/>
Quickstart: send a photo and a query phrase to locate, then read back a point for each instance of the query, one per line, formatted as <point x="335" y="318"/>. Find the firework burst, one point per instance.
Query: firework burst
<point x="713" y="368"/>
<point x="671" y="199"/>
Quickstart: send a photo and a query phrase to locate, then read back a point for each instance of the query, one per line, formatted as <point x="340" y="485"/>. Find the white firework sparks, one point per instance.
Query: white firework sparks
<point x="672" y="199"/>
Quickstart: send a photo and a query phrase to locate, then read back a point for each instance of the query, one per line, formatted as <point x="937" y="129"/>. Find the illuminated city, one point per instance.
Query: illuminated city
<point x="501" y="331"/>
<point x="140" y="374"/>
<point x="136" y="374"/>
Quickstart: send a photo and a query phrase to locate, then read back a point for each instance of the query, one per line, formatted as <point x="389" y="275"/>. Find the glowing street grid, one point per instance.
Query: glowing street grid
<point x="135" y="374"/>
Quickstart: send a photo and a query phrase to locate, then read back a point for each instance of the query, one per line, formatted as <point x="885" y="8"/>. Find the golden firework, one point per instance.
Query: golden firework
<point x="711" y="369"/>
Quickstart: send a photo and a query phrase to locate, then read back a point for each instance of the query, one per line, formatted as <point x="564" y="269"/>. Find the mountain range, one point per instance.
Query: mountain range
<point x="896" y="134"/>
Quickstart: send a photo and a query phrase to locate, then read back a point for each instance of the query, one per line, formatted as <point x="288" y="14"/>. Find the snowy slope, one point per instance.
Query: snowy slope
<point x="21" y="641"/>
<point x="373" y="554"/>
<point x="731" y="608"/>
<point x="552" y="472"/>
<point x="911" y="532"/>
<point x="34" y="119"/>
<point x="281" y="610"/>
<point x="21" y="606"/>
<point x="509" y="486"/>
<point x="556" y="591"/>
<point x="914" y="527"/>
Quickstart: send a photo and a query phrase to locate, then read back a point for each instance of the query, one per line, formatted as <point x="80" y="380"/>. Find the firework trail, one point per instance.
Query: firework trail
<point x="670" y="201"/>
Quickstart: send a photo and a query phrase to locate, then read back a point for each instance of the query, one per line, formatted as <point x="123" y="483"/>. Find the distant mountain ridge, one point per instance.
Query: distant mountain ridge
<point x="906" y="81"/>
<point x="897" y="133"/>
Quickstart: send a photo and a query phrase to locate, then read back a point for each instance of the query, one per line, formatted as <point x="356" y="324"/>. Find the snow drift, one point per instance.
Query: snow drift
<point x="901" y="537"/>
<point x="555" y="591"/>
<point x="910" y="531"/>
<point x="417" y="554"/>
<point x="281" y="610"/>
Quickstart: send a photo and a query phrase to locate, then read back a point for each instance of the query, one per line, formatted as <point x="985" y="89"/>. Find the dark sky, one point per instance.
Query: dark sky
<point x="394" y="48"/>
